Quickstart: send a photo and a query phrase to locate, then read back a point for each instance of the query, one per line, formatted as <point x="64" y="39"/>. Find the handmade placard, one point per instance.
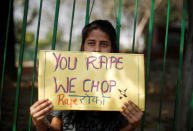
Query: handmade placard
<point x="91" y="80"/>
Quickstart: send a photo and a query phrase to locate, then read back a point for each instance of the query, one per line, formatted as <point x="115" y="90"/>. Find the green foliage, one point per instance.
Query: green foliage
<point x="29" y="37"/>
<point x="18" y="31"/>
<point x="49" y="37"/>
<point x="43" y="43"/>
<point x="58" y="37"/>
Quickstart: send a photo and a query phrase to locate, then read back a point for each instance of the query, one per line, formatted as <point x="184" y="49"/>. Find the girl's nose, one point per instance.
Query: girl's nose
<point x="97" y="48"/>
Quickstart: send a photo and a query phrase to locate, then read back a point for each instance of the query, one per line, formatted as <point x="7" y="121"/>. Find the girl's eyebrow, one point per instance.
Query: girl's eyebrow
<point x="91" y="40"/>
<point x="104" y="41"/>
<point x="100" y="41"/>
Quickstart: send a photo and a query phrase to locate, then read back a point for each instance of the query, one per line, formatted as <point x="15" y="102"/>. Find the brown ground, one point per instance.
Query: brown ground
<point x="152" y="107"/>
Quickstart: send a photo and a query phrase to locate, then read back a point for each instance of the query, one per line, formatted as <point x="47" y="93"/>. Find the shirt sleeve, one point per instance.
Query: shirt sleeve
<point x="57" y="114"/>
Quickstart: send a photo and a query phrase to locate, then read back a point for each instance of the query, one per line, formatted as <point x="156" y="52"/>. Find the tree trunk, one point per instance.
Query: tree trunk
<point x="187" y="81"/>
<point x="144" y="20"/>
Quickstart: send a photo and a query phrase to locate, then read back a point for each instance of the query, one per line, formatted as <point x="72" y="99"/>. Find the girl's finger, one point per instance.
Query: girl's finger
<point x="40" y="107"/>
<point x="44" y="111"/>
<point x="130" y="108"/>
<point x="37" y="103"/>
<point x="40" y="118"/>
<point x="139" y="113"/>
<point x="128" y="112"/>
<point x="136" y="108"/>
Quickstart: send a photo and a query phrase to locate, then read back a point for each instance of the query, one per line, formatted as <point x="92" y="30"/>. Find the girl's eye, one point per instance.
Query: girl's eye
<point x="91" y="43"/>
<point x="104" y="44"/>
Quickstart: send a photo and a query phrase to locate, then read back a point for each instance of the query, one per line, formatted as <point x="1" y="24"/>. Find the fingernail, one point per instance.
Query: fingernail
<point x="123" y="107"/>
<point x="125" y="103"/>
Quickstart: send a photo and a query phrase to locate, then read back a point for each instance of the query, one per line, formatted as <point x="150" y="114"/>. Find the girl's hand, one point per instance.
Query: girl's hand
<point x="132" y="113"/>
<point x="39" y="110"/>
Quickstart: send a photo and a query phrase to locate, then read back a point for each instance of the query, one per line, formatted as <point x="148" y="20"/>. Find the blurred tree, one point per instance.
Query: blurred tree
<point x="18" y="33"/>
<point x="58" y="37"/>
<point x="144" y="6"/>
<point x="33" y="15"/>
<point x="160" y="13"/>
<point x="29" y="38"/>
<point x="18" y="29"/>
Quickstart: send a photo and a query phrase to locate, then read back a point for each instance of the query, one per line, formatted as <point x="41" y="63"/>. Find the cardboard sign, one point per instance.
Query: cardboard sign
<point x="91" y="80"/>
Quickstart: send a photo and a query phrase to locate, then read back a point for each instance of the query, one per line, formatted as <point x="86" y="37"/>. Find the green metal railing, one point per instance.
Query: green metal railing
<point x="134" y="29"/>
<point x="88" y="11"/>
<point x="118" y="28"/>
<point x="118" y="20"/>
<point x="20" y="66"/>
<point x="178" y="93"/>
<point x="55" y="24"/>
<point x="148" y="60"/>
<point x="164" y="66"/>
<point x="35" y="60"/>
<point x="71" y="27"/>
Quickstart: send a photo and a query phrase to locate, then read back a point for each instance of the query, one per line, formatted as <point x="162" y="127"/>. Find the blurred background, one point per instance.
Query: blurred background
<point x="102" y="9"/>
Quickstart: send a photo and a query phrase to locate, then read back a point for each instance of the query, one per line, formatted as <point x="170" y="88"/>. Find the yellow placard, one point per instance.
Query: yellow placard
<point x="91" y="80"/>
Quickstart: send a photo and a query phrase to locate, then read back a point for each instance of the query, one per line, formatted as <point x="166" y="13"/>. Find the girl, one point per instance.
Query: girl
<point x="98" y="36"/>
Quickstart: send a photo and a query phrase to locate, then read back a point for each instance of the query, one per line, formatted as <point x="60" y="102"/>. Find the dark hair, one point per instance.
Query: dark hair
<point x="103" y="25"/>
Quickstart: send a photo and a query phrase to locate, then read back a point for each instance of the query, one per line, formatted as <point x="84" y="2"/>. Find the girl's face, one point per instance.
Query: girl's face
<point x="97" y="41"/>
